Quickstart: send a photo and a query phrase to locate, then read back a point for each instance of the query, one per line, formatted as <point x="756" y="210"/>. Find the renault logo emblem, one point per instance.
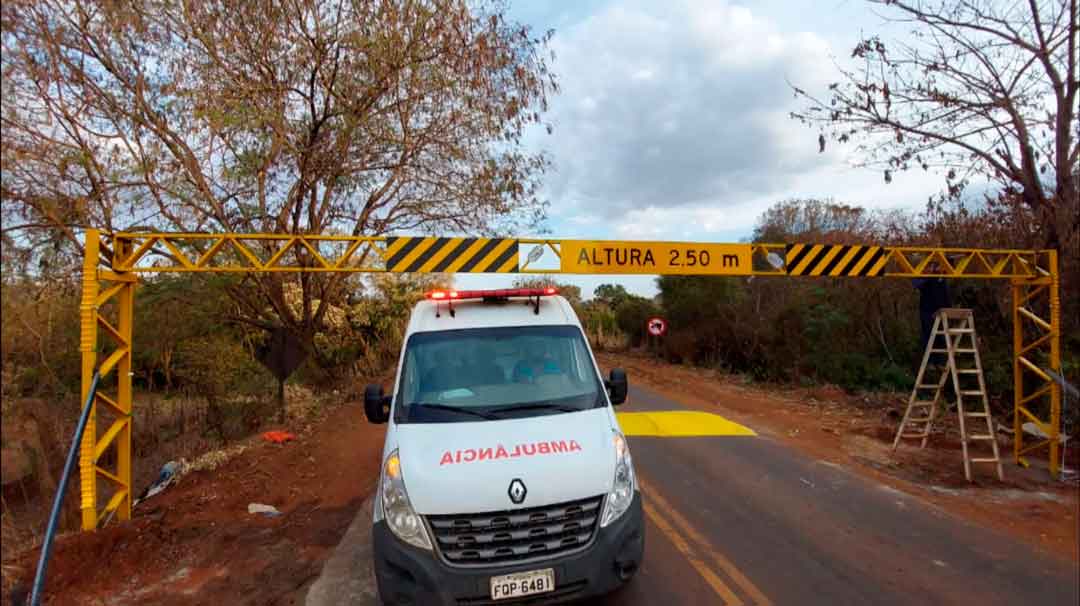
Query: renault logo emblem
<point x="517" y="491"/>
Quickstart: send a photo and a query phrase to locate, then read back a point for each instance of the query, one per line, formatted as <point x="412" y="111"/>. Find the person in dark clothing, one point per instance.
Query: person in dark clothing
<point x="933" y="295"/>
<point x="536" y="363"/>
<point x="485" y="370"/>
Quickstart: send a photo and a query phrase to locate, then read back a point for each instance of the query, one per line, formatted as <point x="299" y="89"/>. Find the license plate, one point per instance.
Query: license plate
<point x="521" y="584"/>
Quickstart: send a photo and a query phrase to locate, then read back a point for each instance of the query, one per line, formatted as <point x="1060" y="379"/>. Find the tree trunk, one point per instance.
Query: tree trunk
<point x="215" y="418"/>
<point x="166" y="368"/>
<point x="281" y="400"/>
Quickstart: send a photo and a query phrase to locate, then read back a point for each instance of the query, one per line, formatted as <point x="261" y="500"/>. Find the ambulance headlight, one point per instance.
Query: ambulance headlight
<point x="622" y="489"/>
<point x="400" y="516"/>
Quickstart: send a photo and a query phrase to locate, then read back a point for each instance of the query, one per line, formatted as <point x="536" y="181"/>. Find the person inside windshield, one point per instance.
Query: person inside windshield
<point x="536" y="363"/>
<point x="440" y="375"/>
<point x="485" y="371"/>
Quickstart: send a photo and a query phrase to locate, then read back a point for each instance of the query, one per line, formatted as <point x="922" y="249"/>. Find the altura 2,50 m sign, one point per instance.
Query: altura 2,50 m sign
<point x="614" y="257"/>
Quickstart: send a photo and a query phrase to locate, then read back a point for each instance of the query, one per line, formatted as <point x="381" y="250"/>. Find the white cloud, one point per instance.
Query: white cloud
<point x="673" y="123"/>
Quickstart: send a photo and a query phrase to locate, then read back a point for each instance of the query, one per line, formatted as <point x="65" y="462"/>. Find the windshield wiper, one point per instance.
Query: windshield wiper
<point x="463" y="410"/>
<point x="537" y="406"/>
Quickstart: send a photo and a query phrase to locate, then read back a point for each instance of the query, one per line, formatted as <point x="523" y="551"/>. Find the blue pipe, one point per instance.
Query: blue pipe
<point x="54" y="517"/>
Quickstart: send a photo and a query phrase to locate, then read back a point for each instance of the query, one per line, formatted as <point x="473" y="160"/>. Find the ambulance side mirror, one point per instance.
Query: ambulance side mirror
<point x="376" y="405"/>
<point x="617" y="386"/>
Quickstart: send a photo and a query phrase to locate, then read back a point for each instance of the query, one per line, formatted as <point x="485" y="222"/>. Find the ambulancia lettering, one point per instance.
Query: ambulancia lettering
<point x="531" y="449"/>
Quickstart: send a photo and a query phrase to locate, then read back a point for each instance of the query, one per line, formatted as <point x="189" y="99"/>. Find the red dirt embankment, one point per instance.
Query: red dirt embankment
<point x="856" y="432"/>
<point x="196" y="543"/>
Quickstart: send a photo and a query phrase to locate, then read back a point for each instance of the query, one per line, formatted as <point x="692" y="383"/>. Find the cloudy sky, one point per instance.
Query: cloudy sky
<point x="672" y="123"/>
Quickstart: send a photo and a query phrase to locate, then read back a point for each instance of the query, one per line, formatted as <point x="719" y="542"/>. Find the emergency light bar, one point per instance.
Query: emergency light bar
<point x="501" y="293"/>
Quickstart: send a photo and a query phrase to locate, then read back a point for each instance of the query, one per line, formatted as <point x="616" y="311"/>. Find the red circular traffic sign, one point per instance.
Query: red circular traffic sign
<point x="657" y="327"/>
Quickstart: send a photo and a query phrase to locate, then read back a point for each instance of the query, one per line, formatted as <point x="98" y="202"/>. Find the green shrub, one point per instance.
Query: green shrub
<point x="631" y="316"/>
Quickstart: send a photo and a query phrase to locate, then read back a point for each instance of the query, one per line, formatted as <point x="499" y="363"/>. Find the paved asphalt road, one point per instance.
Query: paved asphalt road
<point x="745" y="520"/>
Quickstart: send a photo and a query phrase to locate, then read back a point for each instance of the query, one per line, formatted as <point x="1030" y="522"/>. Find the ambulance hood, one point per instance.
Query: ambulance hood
<point x="468" y="467"/>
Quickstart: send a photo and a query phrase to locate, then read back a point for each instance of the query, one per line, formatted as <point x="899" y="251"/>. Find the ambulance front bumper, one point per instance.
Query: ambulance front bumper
<point x="408" y="575"/>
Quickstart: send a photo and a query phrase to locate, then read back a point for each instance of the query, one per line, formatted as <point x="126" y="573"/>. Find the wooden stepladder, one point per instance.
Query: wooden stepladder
<point x="954" y="336"/>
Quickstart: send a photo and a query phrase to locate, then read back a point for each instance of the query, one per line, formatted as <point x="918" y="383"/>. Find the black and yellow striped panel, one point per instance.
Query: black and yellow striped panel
<point x="453" y="255"/>
<point x="835" y="260"/>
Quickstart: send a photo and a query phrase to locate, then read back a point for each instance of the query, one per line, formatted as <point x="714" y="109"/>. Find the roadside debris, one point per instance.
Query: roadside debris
<point x="173" y="471"/>
<point x="278" y="437"/>
<point x="170" y="472"/>
<point x="266" y="510"/>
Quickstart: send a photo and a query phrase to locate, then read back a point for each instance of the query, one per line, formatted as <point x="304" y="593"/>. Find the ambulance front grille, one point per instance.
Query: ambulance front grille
<point x="516" y="535"/>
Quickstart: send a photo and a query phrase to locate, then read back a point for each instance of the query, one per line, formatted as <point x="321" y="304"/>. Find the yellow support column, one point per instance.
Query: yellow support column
<point x="1055" y="362"/>
<point x="1018" y="291"/>
<point x="88" y="347"/>
<point x="125" y="325"/>
<point x="1035" y="355"/>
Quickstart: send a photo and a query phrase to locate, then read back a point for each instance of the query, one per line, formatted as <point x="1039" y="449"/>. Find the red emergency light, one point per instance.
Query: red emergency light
<point x="499" y="293"/>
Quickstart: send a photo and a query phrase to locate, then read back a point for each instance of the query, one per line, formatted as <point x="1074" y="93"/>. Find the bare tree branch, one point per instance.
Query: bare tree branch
<point x="987" y="87"/>
<point x="305" y="116"/>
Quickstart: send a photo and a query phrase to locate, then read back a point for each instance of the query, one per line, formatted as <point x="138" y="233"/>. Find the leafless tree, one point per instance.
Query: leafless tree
<point x="982" y="87"/>
<point x="299" y="116"/>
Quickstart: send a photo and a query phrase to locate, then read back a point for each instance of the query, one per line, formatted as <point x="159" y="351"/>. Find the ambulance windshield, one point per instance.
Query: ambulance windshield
<point x="496" y="373"/>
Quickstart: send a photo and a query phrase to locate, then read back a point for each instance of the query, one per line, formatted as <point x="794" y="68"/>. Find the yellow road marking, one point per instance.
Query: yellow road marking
<point x="703" y="569"/>
<point x="679" y="423"/>
<point x="684" y="526"/>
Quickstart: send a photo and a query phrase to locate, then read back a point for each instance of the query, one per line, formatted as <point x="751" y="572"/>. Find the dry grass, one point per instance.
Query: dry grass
<point x="614" y="341"/>
<point x="166" y="429"/>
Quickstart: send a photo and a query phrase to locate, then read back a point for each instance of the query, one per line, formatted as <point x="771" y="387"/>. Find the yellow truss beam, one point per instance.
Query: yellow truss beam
<point x="231" y="252"/>
<point x="1034" y="276"/>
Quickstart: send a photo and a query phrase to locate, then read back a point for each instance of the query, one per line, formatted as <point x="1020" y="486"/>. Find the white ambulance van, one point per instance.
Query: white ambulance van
<point x="505" y="477"/>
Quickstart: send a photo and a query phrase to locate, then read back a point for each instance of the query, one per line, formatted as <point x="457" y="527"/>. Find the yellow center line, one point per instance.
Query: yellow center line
<point x="684" y="526"/>
<point x="684" y="548"/>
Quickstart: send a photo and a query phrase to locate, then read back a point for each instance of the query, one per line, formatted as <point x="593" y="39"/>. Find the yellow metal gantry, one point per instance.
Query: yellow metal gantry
<point x="105" y="458"/>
